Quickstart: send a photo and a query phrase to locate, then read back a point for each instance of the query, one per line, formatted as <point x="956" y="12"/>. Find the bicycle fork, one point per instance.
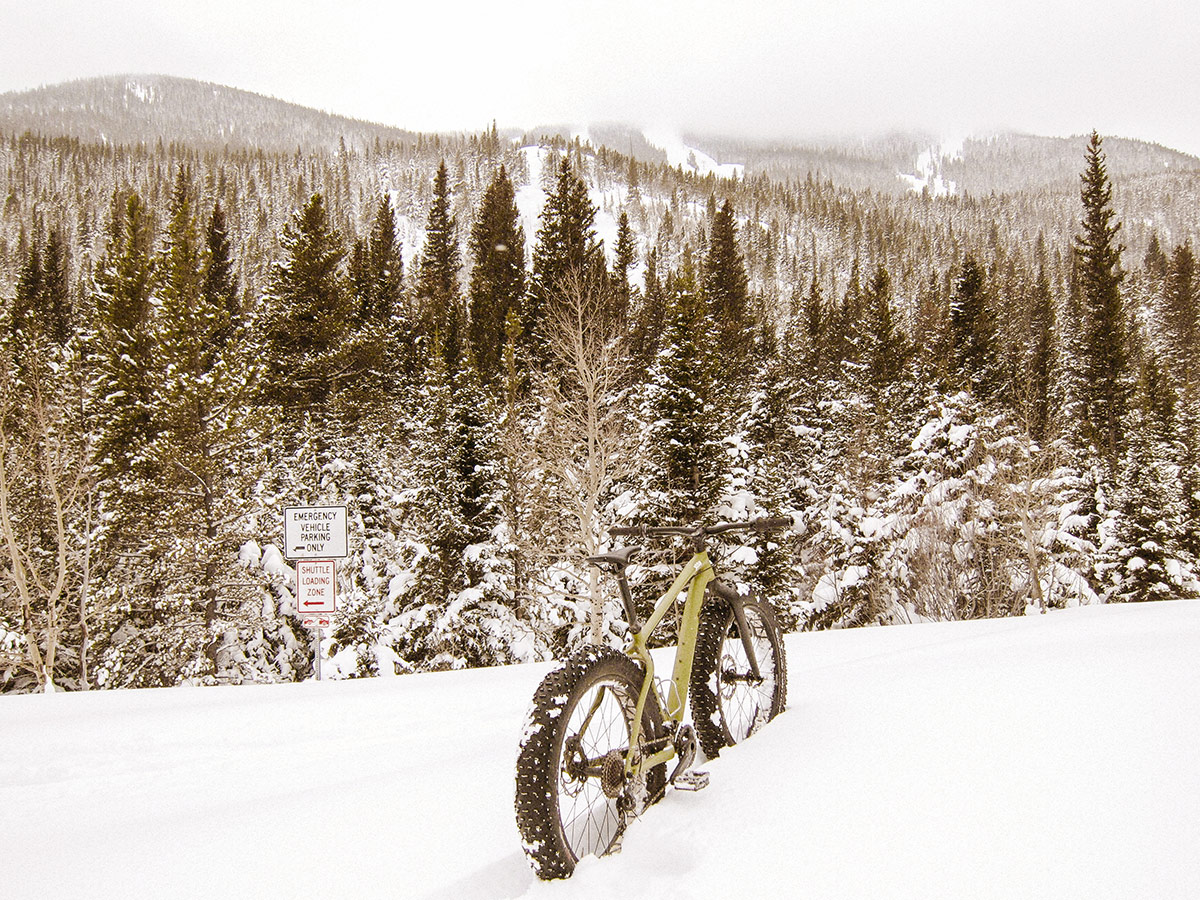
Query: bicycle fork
<point x="737" y="604"/>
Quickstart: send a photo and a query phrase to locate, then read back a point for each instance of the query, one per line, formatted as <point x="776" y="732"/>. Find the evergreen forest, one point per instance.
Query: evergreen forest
<point x="489" y="348"/>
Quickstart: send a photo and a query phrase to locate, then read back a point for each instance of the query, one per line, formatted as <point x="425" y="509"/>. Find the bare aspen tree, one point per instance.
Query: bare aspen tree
<point x="582" y="446"/>
<point x="44" y="498"/>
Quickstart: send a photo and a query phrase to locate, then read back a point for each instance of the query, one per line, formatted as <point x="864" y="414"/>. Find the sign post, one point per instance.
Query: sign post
<point x="314" y="536"/>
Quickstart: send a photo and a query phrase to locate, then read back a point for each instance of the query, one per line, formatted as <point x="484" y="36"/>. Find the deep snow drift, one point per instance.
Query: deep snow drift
<point x="1048" y="757"/>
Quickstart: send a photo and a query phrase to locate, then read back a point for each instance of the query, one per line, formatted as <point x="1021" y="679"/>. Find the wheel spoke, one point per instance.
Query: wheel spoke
<point x="590" y="819"/>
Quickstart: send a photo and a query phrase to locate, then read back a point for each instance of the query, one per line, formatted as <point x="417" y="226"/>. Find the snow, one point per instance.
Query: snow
<point x="691" y="159"/>
<point x="929" y="164"/>
<point x="1051" y="756"/>
<point x="531" y="196"/>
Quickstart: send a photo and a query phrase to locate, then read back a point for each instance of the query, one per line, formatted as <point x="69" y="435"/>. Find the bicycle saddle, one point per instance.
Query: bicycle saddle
<point x="618" y="558"/>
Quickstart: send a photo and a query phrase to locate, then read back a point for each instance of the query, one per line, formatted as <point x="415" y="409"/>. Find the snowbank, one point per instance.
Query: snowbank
<point x="1051" y="757"/>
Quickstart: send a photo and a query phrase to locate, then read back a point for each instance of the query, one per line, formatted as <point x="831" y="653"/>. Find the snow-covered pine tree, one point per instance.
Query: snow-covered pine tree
<point x="379" y="347"/>
<point x="1144" y="559"/>
<point x="565" y="246"/>
<point x="459" y="609"/>
<point x="307" y="313"/>
<point x="436" y="523"/>
<point x="205" y="428"/>
<point x="497" y="282"/>
<point x="624" y="258"/>
<point x="682" y="443"/>
<point x="1181" y="317"/>
<point x="647" y="317"/>
<point x="42" y="301"/>
<point x="1033" y="389"/>
<point x="123" y="351"/>
<point x="883" y="345"/>
<point x="440" y="306"/>
<point x="972" y="328"/>
<point x="1107" y="381"/>
<point x="725" y="285"/>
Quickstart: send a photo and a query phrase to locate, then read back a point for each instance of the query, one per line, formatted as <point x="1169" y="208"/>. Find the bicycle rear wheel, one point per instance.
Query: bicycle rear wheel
<point x="572" y="798"/>
<point x="728" y="703"/>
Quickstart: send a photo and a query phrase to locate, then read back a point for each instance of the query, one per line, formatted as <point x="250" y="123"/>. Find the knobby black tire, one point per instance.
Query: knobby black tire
<point x="727" y="707"/>
<point x="563" y="816"/>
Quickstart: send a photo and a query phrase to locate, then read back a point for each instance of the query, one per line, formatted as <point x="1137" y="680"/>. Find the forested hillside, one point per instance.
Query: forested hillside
<point x="978" y="399"/>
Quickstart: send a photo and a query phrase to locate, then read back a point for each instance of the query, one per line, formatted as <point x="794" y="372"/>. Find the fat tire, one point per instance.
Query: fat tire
<point x="540" y="791"/>
<point x="726" y="713"/>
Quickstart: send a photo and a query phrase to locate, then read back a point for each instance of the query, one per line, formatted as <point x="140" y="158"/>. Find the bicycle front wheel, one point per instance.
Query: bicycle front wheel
<point x="729" y="703"/>
<point x="572" y="797"/>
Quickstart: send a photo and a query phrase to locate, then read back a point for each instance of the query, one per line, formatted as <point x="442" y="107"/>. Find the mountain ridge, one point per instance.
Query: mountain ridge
<point x="147" y="108"/>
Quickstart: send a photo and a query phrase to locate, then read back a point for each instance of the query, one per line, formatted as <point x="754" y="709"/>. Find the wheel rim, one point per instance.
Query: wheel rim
<point x="746" y="702"/>
<point x="591" y="821"/>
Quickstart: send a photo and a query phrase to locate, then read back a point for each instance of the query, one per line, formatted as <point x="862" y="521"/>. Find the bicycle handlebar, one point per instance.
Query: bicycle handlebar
<point x="695" y="531"/>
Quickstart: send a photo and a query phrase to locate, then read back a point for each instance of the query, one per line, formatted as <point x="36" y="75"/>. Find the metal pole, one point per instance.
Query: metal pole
<point x="317" y="651"/>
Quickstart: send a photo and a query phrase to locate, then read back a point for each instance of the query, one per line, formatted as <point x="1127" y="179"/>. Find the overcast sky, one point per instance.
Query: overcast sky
<point x="763" y="68"/>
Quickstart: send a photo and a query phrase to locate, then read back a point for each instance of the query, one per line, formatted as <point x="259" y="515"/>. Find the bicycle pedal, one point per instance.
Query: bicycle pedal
<point x="691" y="781"/>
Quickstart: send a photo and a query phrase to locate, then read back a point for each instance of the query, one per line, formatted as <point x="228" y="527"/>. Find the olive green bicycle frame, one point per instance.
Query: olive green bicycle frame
<point x="694" y="578"/>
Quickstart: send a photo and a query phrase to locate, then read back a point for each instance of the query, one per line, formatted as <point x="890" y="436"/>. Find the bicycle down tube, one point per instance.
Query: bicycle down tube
<point x="695" y="578"/>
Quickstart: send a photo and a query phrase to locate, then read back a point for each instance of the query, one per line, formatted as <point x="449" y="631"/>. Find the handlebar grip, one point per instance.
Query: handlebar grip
<point x="627" y="531"/>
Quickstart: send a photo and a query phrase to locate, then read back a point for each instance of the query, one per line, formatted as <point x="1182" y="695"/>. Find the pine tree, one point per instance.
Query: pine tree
<point x="42" y="304"/>
<point x="931" y="331"/>
<point x="565" y="244"/>
<point x="1039" y="359"/>
<point x="624" y="259"/>
<point x="683" y="446"/>
<point x="648" y="317"/>
<point x="308" y="311"/>
<point x="845" y="325"/>
<point x="883" y="351"/>
<point x="1182" y="315"/>
<point x="124" y="345"/>
<point x="380" y="290"/>
<point x="377" y="341"/>
<point x="497" y="282"/>
<point x="971" y="327"/>
<point x="204" y="377"/>
<point x="813" y="319"/>
<point x="1155" y="262"/>
<point x="437" y="520"/>
<point x="220" y="287"/>
<point x="726" y="289"/>
<point x="1106" y="363"/>
<point x="1147" y="553"/>
<point x="440" y="307"/>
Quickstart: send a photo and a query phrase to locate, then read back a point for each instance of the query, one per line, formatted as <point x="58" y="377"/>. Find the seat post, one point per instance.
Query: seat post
<point x="627" y="598"/>
<point x="618" y="560"/>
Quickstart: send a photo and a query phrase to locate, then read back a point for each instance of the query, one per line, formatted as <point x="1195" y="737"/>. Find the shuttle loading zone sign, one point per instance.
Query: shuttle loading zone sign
<point x="314" y="532"/>
<point x="316" y="589"/>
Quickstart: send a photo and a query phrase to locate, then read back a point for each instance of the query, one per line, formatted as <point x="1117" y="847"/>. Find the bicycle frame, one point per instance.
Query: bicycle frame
<point x="695" y="578"/>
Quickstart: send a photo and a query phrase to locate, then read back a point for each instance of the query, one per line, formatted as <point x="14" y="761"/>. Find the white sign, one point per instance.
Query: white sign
<point x="314" y="532"/>
<point x="317" y="621"/>
<point x="316" y="581"/>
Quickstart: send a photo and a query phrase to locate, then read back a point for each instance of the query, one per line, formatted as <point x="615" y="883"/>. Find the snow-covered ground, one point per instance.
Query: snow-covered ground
<point x="691" y="159"/>
<point x="1047" y="757"/>
<point x="929" y="168"/>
